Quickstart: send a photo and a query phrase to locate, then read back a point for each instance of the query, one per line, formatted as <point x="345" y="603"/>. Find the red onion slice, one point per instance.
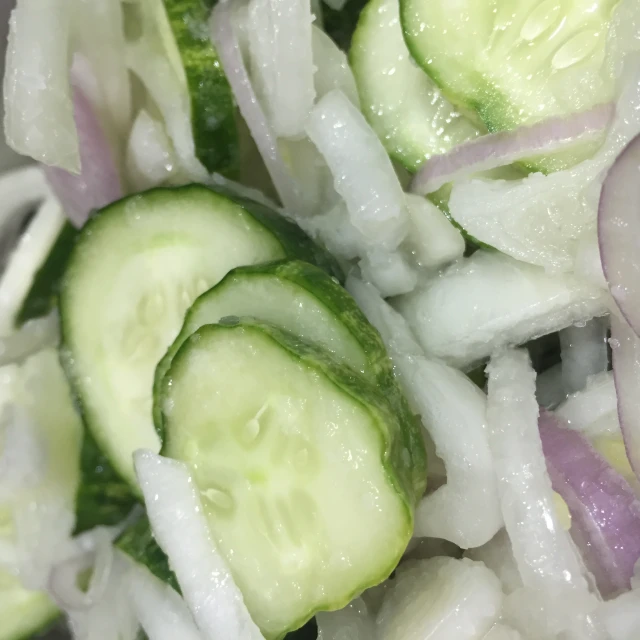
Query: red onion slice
<point x="98" y="183"/>
<point x="604" y="509"/>
<point x="625" y="349"/>
<point x="619" y="232"/>
<point x="224" y="36"/>
<point x="503" y="148"/>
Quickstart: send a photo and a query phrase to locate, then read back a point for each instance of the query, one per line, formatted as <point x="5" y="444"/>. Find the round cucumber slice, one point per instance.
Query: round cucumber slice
<point x="135" y="269"/>
<point x="300" y="298"/>
<point x="403" y="105"/>
<point x="300" y="464"/>
<point x="515" y="63"/>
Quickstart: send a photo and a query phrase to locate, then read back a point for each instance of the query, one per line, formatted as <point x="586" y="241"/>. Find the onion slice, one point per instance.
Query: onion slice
<point x="98" y="183"/>
<point x="177" y="517"/>
<point x="224" y="37"/>
<point x="619" y="230"/>
<point x="503" y="148"/>
<point x="625" y="348"/>
<point x="604" y="509"/>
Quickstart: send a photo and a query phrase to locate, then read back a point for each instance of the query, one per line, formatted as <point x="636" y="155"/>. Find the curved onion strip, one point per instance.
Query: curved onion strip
<point x="503" y="148"/>
<point x="98" y="183"/>
<point x="625" y="348"/>
<point x="33" y="336"/>
<point x="619" y="230"/>
<point x="176" y="516"/>
<point x="226" y="41"/>
<point x="604" y="509"/>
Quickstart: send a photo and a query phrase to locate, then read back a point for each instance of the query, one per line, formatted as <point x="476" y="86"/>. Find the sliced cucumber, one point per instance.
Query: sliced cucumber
<point x="304" y="300"/>
<point x="23" y="613"/>
<point x="403" y="105"/>
<point x="301" y="466"/>
<point x="134" y="270"/>
<point x="516" y="62"/>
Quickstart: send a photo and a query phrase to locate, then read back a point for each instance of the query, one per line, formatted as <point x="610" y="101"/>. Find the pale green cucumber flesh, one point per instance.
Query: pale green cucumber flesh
<point x="515" y="63"/>
<point x="300" y="466"/>
<point x="136" y="268"/>
<point x="403" y="105"/>
<point x="304" y="300"/>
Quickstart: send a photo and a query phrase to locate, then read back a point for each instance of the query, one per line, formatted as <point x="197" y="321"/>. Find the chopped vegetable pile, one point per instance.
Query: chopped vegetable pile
<point x="321" y="320"/>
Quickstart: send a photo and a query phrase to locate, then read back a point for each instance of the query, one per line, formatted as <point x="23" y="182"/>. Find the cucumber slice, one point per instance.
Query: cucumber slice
<point x="302" y="299"/>
<point x="136" y="267"/>
<point x="402" y="104"/>
<point x="517" y="62"/>
<point x="23" y="613"/>
<point x="304" y="477"/>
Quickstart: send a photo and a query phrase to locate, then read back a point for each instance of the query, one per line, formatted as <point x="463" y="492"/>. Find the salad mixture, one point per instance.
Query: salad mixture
<point x="321" y="320"/>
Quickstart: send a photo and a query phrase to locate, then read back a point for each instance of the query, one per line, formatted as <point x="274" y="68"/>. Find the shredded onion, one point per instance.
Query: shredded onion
<point x="226" y="41"/>
<point x="33" y="336"/>
<point x="625" y="348"/>
<point x="604" y="509"/>
<point x="176" y="516"/>
<point x="98" y="183"/>
<point x="503" y="148"/>
<point x="619" y="230"/>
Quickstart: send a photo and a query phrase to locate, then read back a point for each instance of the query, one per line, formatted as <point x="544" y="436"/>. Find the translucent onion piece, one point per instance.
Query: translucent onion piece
<point x="584" y="353"/>
<point x="32" y="337"/>
<point x="505" y="147"/>
<point x="279" y="33"/>
<point x="465" y="510"/>
<point x="591" y="411"/>
<point x="353" y="622"/>
<point x="490" y="300"/>
<point x="621" y="616"/>
<point x="226" y="41"/>
<point x="389" y="271"/>
<point x="98" y="183"/>
<point x="26" y="258"/>
<point x="440" y="599"/>
<point x="619" y="230"/>
<point x="176" y="515"/>
<point x="362" y="171"/>
<point x="604" y="509"/>
<point x="161" y="611"/>
<point x="20" y="191"/>
<point x="625" y="348"/>
<point x="38" y="109"/>
<point x="543" y="551"/>
<point x="502" y="632"/>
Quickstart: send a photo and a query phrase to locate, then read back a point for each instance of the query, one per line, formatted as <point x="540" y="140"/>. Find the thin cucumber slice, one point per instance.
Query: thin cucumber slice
<point x="135" y="269"/>
<point x="403" y="105"/>
<point x="302" y="299"/>
<point x="301" y="467"/>
<point x="23" y="613"/>
<point x="517" y="62"/>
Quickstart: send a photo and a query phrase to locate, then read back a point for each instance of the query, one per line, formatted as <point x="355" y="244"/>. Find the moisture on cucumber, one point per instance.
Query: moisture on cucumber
<point x="300" y="463"/>
<point x="514" y="63"/>
<point x="135" y="269"/>
<point x="302" y="299"/>
<point x="402" y="104"/>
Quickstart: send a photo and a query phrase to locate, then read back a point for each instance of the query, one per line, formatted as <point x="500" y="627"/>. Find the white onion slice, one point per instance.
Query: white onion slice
<point x="226" y="41"/>
<point x="502" y="632"/>
<point x="176" y="516"/>
<point x="465" y="510"/>
<point x="440" y="599"/>
<point x="543" y="551"/>
<point x="353" y="622"/>
<point x="32" y="337"/>
<point x="619" y="232"/>
<point x="584" y="353"/>
<point x="161" y="611"/>
<point x="98" y="183"/>
<point x="362" y="171"/>
<point x="605" y="512"/>
<point x="38" y="109"/>
<point x="625" y="348"/>
<point x="20" y="191"/>
<point x="503" y="148"/>
<point x="589" y="411"/>
<point x="279" y="33"/>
